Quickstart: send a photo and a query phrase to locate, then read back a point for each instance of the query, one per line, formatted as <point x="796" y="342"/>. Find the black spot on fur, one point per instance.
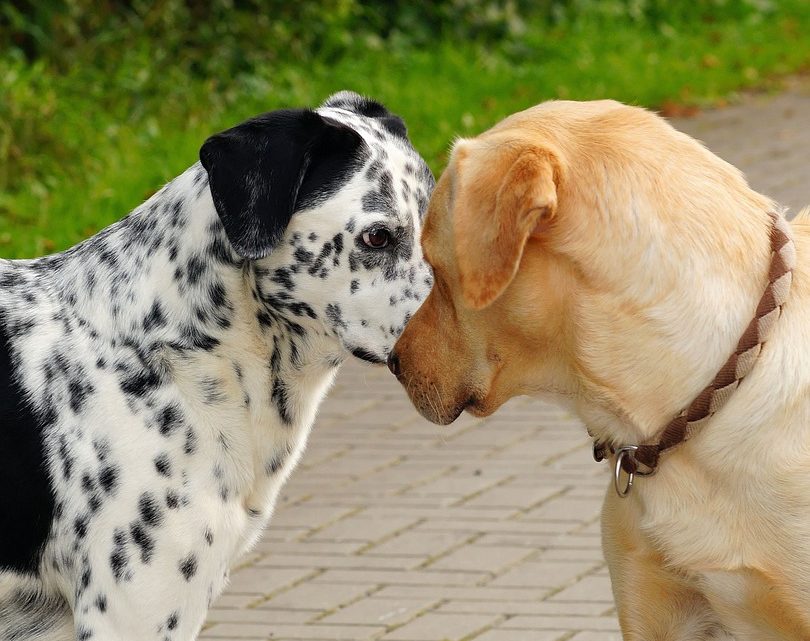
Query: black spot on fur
<point x="190" y="446"/>
<point x="149" y="509"/>
<point x="78" y="390"/>
<point x="169" y="420"/>
<point x="108" y="479"/>
<point x="195" y="268"/>
<point x="283" y="277"/>
<point x="155" y="318"/>
<point x="163" y="464"/>
<point x="335" y="315"/>
<point x="172" y="621"/>
<point x="281" y="401"/>
<point x="119" y="558"/>
<point x="80" y="526"/>
<point x="143" y="540"/>
<point x="188" y="567"/>
<point x="172" y="499"/>
<point x="140" y="383"/>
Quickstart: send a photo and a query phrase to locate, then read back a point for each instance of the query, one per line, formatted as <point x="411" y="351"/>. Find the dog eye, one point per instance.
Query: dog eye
<point x="376" y="238"/>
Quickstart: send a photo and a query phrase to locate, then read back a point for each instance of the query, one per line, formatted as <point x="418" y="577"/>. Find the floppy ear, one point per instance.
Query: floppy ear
<point x="501" y="198"/>
<point x="261" y="171"/>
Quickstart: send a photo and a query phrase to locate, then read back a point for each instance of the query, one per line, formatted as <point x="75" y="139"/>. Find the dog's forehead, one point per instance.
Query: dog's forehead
<point x="394" y="172"/>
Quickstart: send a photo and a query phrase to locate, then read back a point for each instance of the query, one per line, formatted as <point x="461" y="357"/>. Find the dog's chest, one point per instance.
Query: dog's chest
<point x="731" y="543"/>
<point x="153" y="460"/>
<point x="245" y="448"/>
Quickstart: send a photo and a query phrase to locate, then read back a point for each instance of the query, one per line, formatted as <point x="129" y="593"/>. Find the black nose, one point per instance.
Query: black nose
<point x="393" y="363"/>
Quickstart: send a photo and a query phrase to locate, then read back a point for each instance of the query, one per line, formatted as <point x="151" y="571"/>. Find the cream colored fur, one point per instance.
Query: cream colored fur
<point x="633" y="285"/>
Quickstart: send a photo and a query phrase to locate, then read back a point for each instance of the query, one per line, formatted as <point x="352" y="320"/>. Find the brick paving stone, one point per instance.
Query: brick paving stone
<point x="419" y="544"/>
<point x="359" y="528"/>
<point x="536" y="608"/>
<point x="589" y="589"/>
<point x="388" y="577"/>
<point x="474" y="594"/>
<point x="258" y="581"/>
<point x="441" y="627"/>
<point x="393" y="529"/>
<point x="544" y="573"/>
<point x="265" y="617"/>
<point x="563" y="623"/>
<point x="345" y="561"/>
<point x="475" y="558"/>
<point x="518" y="635"/>
<point x="376" y="611"/>
<point x="318" y="596"/>
<point x="285" y="632"/>
<point x="594" y="636"/>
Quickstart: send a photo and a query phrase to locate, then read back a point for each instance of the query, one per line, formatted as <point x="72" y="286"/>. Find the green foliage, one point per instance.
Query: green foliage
<point x="103" y="101"/>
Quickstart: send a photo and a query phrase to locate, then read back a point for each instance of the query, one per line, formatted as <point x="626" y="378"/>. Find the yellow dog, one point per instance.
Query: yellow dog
<point x="590" y="253"/>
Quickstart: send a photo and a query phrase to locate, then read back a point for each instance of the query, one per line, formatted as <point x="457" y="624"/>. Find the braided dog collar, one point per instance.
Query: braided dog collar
<point x="643" y="459"/>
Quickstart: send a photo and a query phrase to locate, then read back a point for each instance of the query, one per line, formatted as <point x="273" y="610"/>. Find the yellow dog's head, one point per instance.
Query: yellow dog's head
<point x="575" y="247"/>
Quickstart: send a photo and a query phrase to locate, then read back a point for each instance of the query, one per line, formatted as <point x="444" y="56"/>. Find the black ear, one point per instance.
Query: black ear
<point x="369" y="108"/>
<point x="256" y="169"/>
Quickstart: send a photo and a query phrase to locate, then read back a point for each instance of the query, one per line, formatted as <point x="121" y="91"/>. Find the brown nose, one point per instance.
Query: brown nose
<point x="393" y="363"/>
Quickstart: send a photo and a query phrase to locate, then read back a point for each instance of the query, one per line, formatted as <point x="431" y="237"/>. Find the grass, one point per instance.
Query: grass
<point x="84" y="147"/>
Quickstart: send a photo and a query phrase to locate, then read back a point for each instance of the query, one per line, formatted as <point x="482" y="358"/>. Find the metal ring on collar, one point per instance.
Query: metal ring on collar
<point x="621" y="453"/>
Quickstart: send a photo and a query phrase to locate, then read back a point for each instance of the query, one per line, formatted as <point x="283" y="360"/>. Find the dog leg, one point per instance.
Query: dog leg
<point x="653" y="602"/>
<point x="162" y="596"/>
<point x="28" y="613"/>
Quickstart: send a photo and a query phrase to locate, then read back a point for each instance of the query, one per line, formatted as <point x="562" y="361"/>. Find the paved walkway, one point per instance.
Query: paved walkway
<point x="487" y="530"/>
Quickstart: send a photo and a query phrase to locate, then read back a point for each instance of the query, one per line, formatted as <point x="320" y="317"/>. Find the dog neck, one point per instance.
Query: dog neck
<point x="690" y="324"/>
<point x="165" y="284"/>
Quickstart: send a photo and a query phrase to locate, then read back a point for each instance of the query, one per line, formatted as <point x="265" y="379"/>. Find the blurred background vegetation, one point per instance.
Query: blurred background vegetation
<point x="102" y="101"/>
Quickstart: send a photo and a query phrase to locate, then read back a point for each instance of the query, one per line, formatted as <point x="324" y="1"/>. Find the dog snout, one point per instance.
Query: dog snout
<point x="393" y="364"/>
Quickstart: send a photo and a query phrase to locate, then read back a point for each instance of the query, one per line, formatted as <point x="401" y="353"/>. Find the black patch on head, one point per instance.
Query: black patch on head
<point x="263" y="170"/>
<point x="369" y="108"/>
<point x="26" y="498"/>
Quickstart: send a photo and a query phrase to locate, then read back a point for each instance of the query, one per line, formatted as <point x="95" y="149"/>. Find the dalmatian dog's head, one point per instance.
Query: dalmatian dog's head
<point x="328" y="205"/>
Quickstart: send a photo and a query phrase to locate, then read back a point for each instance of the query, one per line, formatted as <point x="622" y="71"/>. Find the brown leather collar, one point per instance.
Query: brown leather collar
<point x="643" y="459"/>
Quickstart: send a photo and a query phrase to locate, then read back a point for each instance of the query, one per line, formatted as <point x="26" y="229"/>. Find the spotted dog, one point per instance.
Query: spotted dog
<point x="158" y="381"/>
